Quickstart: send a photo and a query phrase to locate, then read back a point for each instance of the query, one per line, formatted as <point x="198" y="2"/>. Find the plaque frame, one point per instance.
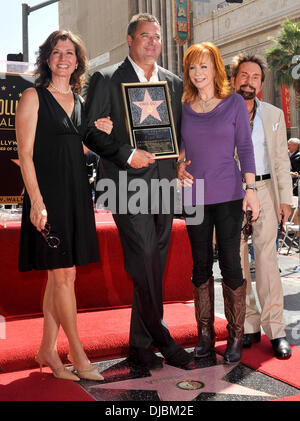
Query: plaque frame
<point x="150" y="126"/>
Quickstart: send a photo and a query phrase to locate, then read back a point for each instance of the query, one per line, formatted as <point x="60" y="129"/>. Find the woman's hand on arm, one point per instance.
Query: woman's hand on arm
<point x="104" y="124"/>
<point x="183" y="175"/>
<point x="26" y="122"/>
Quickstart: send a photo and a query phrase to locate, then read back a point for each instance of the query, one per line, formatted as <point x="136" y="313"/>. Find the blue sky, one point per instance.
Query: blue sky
<point x="40" y="24"/>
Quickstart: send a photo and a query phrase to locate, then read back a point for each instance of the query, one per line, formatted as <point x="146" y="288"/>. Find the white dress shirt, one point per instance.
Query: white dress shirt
<point x="259" y="143"/>
<point x="141" y="74"/>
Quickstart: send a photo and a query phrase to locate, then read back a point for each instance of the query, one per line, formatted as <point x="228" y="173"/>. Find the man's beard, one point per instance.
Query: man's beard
<point x="246" y="94"/>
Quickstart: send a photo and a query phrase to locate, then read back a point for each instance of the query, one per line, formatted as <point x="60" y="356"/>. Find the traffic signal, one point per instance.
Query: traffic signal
<point x="15" y="57"/>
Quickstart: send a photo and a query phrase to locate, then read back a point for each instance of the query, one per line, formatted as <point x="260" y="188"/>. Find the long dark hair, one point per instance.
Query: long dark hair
<point x="43" y="72"/>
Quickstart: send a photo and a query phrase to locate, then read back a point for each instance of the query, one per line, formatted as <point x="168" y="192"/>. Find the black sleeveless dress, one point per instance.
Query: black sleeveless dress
<point x="63" y="181"/>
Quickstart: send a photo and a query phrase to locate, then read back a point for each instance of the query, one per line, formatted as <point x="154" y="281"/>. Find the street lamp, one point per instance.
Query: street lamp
<point x="26" y="10"/>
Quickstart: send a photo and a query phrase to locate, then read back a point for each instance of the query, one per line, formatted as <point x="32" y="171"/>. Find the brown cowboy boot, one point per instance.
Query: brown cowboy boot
<point x="235" y="310"/>
<point x="204" y="312"/>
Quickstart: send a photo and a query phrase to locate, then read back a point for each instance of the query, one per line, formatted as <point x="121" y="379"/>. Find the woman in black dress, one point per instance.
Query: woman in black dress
<point x="58" y="227"/>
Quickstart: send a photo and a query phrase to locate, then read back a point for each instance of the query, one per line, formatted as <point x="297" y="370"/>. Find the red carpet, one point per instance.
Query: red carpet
<point x="102" y="285"/>
<point x="104" y="335"/>
<point x="260" y="357"/>
<point x="295" y="398"/>
<point x="33" y="386"/>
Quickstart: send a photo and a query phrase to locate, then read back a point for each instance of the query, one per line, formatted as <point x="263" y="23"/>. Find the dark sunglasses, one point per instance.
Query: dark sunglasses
<point x="51" y="240"/>
<point x="247" y="228"/>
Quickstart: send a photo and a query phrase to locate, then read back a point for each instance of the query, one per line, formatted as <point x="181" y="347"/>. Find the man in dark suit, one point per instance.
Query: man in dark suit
<point x="144" y="236"/>
<point x="293" y="146"/>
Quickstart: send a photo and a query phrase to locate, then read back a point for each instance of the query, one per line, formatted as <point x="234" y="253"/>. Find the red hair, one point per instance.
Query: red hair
<point x="194" y="54"/>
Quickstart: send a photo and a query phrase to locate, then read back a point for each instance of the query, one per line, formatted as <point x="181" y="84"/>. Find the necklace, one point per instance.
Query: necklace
<point x="205" y="104"/>
<point x="60" y="90"/>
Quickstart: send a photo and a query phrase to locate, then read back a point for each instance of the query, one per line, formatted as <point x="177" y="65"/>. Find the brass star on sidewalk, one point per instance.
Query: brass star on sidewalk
<point x="149" y="107"/>
<point x="175" y="384"/>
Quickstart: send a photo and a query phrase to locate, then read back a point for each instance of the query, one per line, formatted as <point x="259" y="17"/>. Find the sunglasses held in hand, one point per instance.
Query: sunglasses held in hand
<point x="51" y="240"/>
<point x="247" y="228"/>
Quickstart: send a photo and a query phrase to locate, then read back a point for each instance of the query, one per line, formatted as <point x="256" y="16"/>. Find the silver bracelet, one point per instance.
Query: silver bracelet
<point x="251" y="187"/>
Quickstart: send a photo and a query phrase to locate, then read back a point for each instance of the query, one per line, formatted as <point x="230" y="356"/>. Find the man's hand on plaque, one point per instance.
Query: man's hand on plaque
<point x="141" y="159"/>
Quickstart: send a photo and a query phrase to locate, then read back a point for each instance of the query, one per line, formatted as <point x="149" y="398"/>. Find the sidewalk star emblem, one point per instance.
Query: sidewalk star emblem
<point x="149" y="107"/>
<point x="165" y="382"/>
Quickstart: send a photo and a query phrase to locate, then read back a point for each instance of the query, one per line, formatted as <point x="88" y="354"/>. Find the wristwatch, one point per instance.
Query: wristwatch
<point x="251" y="187"/>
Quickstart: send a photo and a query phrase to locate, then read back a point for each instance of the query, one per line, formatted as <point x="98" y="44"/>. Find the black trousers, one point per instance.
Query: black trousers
<point x="227" y="219"/>
<point x="145" y="241"/>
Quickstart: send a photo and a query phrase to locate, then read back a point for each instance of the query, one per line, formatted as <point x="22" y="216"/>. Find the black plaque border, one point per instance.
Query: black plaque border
<point x="126" y="99"/>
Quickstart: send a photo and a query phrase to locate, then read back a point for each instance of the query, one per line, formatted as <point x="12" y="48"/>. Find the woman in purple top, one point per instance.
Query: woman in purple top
<point x="215" y="126"/>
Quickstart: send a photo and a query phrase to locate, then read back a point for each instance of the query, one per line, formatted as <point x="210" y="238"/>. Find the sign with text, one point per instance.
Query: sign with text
<point x="182" y="26"/>
<point x="11" y="183"/>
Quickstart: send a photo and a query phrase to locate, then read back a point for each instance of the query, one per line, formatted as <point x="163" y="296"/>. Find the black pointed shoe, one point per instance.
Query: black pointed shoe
<point x="251" y="338"/>
<point x="281" y="348"/>
<point x="181" y="359"/>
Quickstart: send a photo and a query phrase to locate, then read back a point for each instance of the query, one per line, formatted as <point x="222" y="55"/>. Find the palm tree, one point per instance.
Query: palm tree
<point x="284" y="57"/>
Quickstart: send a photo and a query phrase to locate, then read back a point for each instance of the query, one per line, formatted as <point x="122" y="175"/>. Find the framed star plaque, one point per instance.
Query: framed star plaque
<point x="150" y="119"/>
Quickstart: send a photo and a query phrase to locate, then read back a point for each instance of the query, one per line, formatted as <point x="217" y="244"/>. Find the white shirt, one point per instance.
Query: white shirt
<point x="259" y="143"/>
<point x="141" y="74"/>
<point x="142" y="78"/>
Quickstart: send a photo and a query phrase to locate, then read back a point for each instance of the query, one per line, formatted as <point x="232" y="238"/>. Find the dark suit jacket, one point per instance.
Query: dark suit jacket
<point x="105" y="99"/>
<point x="295" y="161"/>
<point x="295" y="167"/>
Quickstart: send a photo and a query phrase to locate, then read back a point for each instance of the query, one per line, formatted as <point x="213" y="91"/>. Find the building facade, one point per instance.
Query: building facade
<point x="247" y="27"/>
<point x="234" y="28"/>
<point x="102" y="25"/>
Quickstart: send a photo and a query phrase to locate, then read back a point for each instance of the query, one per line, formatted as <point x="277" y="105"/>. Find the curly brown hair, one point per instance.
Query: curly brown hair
<point x="43" y="72"/>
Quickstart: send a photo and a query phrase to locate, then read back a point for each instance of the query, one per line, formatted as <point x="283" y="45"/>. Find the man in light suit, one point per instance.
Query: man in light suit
<point x="144" y="237"/>
<point x="273" y="183"/>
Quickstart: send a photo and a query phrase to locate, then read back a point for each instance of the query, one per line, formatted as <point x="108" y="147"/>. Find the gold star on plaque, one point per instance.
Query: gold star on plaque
<point x="149" y="107"/>
<point x="3" y="88"/>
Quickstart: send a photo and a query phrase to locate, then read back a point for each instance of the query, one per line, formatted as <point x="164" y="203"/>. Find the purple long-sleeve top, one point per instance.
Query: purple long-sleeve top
<point x="209" y="140"/>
